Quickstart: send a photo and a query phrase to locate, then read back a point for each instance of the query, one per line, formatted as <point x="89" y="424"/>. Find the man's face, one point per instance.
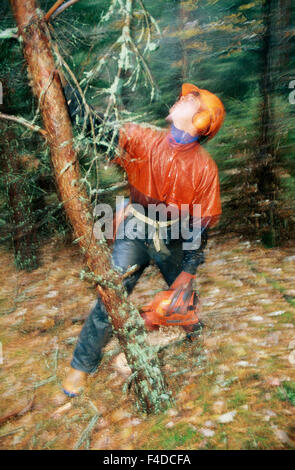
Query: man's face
<point x="184" y="109"/>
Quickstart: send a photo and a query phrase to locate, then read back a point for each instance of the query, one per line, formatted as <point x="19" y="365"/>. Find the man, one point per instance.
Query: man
<point x="167" y="168"/>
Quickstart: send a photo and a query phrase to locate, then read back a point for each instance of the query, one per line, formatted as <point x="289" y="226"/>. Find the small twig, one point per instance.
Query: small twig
<point x="52" y="9"/>
<point x="87" y="431"/>
<point x="100" y="281"/>
<point x="170" y="345"/>
<point x="185" y="371"/>
<point x="93" y="407"/>
<point x="55" y="359"/>
<point x="13" y="431"/>
<point x="44" y="382"/>
<point x="17" y="412"/>
<point x="179" y="341"/>
<point x="23" y="122"/>
<point x="115" y="187"/>
<point x="9" y="33"/>
<point x="63" y="8"/>
<point x="131" y="271"/>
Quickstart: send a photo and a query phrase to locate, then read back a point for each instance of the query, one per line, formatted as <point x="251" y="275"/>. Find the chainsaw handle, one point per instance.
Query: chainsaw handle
<point x="185" y="293"/>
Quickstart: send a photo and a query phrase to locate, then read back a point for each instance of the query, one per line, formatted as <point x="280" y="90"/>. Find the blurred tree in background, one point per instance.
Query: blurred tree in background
<point x="129" y="59"/>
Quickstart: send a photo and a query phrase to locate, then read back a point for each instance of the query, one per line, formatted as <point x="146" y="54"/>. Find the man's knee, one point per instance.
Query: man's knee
<point x="129" y="254"/>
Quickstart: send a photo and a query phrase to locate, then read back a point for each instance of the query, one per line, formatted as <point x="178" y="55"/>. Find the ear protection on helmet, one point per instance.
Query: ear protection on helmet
<point x="201" y="122"/>
<point x="208" y="121"/>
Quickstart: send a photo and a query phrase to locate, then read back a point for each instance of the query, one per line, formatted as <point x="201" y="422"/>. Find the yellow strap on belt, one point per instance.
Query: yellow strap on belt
<point x="154" y="223"/>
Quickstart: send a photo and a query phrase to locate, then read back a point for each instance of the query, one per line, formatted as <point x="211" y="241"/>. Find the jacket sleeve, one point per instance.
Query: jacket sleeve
<point x="191" y="259"/>
<point x="135" y="144"/>
<point x="77" y="110"/>
<point x="77" y="113"/>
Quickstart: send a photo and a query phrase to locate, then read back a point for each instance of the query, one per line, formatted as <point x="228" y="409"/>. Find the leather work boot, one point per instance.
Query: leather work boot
<point x="74" y="383"/>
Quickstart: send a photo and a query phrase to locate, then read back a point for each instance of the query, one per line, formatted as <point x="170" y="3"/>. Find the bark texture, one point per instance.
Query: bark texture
<point x="126" y="321"/>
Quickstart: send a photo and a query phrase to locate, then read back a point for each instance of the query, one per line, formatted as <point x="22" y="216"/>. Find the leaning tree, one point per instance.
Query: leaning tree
<point x="127" y="323"/>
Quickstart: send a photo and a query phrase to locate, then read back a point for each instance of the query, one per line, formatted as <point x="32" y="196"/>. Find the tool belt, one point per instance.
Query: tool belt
<point x="158" y="242"/>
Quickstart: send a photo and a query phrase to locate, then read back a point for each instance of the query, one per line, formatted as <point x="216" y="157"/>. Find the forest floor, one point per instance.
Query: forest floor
<point x="234" y="388"/>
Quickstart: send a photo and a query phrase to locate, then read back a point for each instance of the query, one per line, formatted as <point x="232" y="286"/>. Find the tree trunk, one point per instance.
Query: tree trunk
<point x="22" y="230"/>
<point x="126" y="321"/>
<point x="266" y="168"/>
<point x="284" y="25"/>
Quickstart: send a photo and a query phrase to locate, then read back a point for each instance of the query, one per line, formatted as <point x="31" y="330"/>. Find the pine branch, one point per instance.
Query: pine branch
<point x="23" y="122"/>
<point x="122" y="184"/>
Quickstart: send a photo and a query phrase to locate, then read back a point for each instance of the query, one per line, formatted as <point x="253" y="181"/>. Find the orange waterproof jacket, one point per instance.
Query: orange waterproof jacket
<point x="162" y="170"/>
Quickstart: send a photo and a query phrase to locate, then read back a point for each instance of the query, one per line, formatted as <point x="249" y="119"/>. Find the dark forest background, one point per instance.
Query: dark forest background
<point x="242" y="51"/>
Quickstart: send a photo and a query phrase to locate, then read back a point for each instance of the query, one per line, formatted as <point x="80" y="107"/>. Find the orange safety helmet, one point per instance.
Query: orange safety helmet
<point x="208" y="121"/>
